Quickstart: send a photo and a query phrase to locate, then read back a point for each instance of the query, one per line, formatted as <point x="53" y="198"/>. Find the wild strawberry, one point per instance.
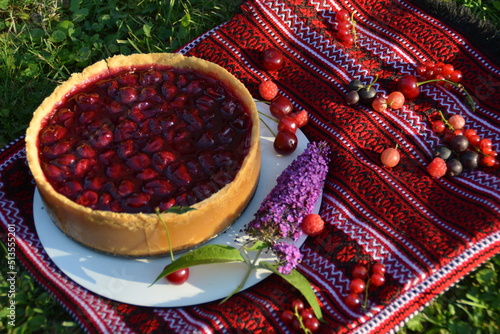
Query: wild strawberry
<point x="312" y="224"/>
<point x="268" y="90"/>
<point x="437" y="167"/>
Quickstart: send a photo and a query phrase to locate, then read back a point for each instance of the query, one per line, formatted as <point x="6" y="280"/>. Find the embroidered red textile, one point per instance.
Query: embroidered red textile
<point x="428" y="232"/>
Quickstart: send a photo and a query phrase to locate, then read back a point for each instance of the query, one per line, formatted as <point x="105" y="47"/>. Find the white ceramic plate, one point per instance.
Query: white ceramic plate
<point x="129" y="280"/>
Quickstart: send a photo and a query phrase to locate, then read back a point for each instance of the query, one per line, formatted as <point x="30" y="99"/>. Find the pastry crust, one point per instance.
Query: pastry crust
<point x="142" y="234"/>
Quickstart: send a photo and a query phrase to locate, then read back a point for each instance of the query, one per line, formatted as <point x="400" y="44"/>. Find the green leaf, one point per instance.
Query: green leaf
<point x="57" y="36"/>
<point x="415" y="324"/>
<point x="178" y="209"/>
<point x="208" y="254"/>
<point x="65" y="25"/>
<point x="297" y="280"/>
<point x="257" y="246"/>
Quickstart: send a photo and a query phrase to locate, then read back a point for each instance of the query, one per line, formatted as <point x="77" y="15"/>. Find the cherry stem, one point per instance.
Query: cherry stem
<point x="267" y="126"/>
<point x="371" y="83"/>
<point x="158" y="213"/>
<point x="457" y="85"/>
<point x="251" y="267"/>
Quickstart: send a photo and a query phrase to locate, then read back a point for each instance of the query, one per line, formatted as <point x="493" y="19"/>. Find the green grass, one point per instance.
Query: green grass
<point x="42" y="42"/>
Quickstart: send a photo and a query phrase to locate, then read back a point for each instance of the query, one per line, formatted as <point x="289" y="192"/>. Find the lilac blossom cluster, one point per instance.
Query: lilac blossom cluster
<point x="297" y="190"/>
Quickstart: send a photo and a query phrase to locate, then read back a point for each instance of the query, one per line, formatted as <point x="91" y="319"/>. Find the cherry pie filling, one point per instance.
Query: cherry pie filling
<point x="154" y="137"/>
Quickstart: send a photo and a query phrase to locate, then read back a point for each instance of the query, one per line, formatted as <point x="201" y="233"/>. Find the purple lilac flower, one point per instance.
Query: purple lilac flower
<point x="297" y="190"/>
<point x="288" y="255"/>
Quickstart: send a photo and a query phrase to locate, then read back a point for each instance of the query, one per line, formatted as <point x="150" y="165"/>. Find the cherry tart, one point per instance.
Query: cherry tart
<point x="133" y="134"/>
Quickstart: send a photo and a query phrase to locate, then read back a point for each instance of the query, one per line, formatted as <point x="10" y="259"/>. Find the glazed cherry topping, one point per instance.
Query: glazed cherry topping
<point x="142" y="139"/>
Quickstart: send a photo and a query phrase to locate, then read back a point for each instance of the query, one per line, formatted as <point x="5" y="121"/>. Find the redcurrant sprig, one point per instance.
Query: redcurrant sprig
<point x="362" y="278"/>
<point x="300" y="318"/>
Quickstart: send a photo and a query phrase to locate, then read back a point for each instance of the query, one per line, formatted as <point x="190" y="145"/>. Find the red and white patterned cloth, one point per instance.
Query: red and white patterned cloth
<point x="428" y="232"/>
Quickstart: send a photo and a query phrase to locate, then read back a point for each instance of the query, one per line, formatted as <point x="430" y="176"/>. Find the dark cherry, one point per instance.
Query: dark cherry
<point x="272" y="59"/>
<point x="281" y="107"/>
<point x="285" y="142"/>
<point x="288" y="123"/>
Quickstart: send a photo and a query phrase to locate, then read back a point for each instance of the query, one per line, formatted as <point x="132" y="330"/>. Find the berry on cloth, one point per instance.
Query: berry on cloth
<point x="268" y="90"/>
<point x="437" y="168"/>
<point x="313" y="224"/>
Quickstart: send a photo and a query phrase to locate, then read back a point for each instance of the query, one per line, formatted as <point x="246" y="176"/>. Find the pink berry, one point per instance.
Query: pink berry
<point x="268" y="90"/>
<point x="312" y="224"/>
<point x="437" y="168"/>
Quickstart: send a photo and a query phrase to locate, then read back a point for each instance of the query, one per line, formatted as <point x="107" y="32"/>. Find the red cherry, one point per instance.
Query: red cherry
<point x="272" y="59"/>
<point x="288" y="123"/>
<point x="408" y="86"/>
<point x="285" y="142"/>
<point x="178" y="277"/>
<point x="280" y="107"/>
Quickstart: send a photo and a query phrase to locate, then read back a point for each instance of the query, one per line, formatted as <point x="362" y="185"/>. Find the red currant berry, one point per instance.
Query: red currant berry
<point x="297" y="305"/>
<point x="287" y="316"/>
<point x="474" y="140"/>
<point x="360" y="271"/>
<point x="488" y="161"/>
<point x="342" y="15"/>
<point x="285" y="142"/>
<point x="312" y="324"/>
<point x="378" y="268"/>
<point x="353" y="301"/>
<point x="272" y="59"/>
<point x="447" y="70"/>
<point x="343" y="32"/>
<point x="348" y="41"/>
<point x="357" y="285"/>
<point x="456" y="76"/>
<point x="420" y="70"/>
<point x="408" y="85"/>
<point x="377" y="279"/>
<point x="178" y="277"/>
<point x="429" y="65"/>
<point x="438" y="126"/>
<point x="307" y="313"/>
<point x="469" y="133"/>
<point x="485" y="146"/>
